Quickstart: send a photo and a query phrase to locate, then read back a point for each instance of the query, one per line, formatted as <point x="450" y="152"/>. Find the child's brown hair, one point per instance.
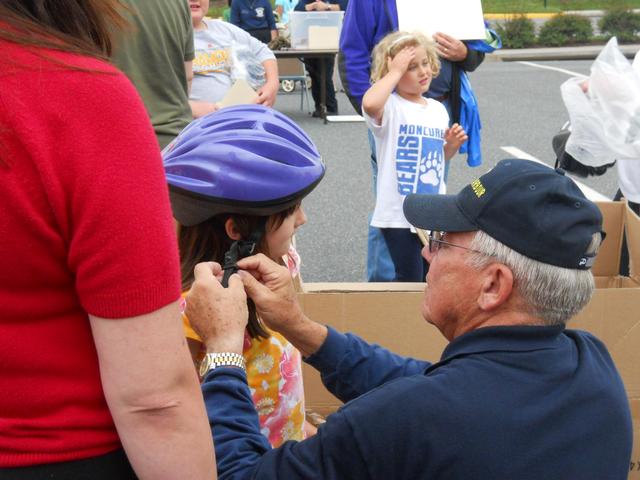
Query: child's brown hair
<point x="208" y="241"/>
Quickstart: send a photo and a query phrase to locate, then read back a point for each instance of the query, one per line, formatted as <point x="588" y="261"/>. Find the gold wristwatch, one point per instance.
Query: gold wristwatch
<point x="224" y="359"/>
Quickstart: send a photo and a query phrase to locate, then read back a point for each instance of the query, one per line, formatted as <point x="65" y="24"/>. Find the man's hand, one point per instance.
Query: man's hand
<point x="271" y="290"/>
<point x="267" y="94"/>
<point x="270" y="287"/>
<point x="450" y="48"/>
<point x="218" y="315"/>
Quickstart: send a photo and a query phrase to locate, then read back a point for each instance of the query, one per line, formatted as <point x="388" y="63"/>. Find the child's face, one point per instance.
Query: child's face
<point x="199" y="9"/>
<point x="279" y="240"/>
<point x="418" y="76"/>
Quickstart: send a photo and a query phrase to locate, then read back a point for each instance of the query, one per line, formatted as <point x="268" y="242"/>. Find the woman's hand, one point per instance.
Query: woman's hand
<point x="450" y="48"/>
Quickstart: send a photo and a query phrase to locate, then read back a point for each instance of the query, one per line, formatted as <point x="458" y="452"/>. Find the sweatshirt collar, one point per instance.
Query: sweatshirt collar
<point x="504" y="339"/>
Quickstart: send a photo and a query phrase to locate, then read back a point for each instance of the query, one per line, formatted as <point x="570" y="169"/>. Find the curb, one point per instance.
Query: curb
<point x="547" y="15"/>
<point x="589" y="52"/>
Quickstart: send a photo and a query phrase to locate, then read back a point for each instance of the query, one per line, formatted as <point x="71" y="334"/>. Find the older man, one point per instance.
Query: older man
<point x="515" y="394"/>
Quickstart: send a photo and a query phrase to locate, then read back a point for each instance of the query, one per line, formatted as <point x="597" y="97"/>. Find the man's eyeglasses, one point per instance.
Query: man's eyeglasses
<point x="436" y="240"/>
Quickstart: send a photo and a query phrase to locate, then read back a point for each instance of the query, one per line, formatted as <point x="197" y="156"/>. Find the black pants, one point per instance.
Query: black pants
<point x="624" y="254"/>
<point x="112" y="466"/>
<point x="262" y="34"/>
<point x="314" y="66"/>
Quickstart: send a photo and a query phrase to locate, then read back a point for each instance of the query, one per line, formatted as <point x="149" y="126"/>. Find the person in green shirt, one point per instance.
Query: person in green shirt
<point x="156" y="54"/>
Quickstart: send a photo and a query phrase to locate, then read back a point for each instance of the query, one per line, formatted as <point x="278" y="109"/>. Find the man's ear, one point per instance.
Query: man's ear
<point x="496" y="286"/>
<point x="231" y="229"/>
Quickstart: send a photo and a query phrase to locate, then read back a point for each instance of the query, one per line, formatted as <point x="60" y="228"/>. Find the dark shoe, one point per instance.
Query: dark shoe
<point x="317" y="114"/>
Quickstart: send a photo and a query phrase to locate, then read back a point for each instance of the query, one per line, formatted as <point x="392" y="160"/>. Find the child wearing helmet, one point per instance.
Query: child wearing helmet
<point x="236" y="181"/>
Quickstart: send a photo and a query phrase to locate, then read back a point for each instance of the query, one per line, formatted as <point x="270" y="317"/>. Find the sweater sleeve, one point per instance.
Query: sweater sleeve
<point x="356" y="44"/>
<point x="350" y="367"/>
<point x="109" y="194"/>
<point x="271" y="20"/>
<point x="242" y="452"/>
<point x="472" y="61"/>
<point x="234" y="15"/>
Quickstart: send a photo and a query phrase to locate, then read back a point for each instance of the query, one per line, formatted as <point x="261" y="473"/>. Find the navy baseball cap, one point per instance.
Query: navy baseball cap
<point x="531" y="208"/>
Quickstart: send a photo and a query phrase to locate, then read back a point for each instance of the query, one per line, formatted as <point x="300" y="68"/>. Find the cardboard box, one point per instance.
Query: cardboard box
<point x="389" y="314"/>
<point x="323" y="38"/>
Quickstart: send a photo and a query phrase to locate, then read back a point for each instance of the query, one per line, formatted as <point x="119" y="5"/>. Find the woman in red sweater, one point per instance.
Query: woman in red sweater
<point x="96" y="377"/>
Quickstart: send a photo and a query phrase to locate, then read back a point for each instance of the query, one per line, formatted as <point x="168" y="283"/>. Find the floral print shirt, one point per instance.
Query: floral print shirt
<point x="274" y="375"/>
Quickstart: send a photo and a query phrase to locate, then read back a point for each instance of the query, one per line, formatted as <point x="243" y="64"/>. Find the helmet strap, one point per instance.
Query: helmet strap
<point x="241" y="249"/>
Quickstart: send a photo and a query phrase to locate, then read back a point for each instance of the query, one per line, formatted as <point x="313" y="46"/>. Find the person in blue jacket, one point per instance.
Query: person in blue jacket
<point x="515" y="395"/>
<point x="366" y="23"/>
<point x="256" y="17"/>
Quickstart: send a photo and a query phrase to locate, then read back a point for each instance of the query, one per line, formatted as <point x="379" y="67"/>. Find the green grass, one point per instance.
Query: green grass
<point x="526" y="6"/>
<point x="552" y="6"/>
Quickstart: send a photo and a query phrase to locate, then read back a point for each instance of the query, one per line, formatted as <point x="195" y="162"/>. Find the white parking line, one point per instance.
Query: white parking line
<point x="589" y="192"/>
<point x="556" y="69"/>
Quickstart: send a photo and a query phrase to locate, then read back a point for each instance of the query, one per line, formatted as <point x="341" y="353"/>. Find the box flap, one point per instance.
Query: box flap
<point x="608" y="260"/>
<point x="633" y="242"/>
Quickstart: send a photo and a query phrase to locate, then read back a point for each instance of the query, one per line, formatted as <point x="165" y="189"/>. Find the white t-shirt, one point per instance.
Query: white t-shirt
<point x="629" y="178"/>
<point x="410" y="154"/>
<point x="213" y="61"/>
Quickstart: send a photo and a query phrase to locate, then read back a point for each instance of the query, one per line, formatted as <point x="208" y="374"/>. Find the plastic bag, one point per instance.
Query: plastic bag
<point x="568" y="163"/>
<point x="606" y="120"/>
<point x="614" y="87"/>
<point x="245" y="65"/>
<point x="587" y="143"/>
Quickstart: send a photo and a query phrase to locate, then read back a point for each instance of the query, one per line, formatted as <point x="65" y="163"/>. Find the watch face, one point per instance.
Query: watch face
<point x="204" y="365"/>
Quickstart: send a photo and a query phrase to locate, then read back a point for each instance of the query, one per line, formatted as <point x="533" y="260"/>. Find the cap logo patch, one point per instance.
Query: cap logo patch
<point x="478" y="188"/>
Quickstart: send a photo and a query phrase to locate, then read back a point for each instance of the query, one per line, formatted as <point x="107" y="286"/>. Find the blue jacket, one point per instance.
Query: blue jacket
<point x="244" y="15"/>
<point x="502" y="403"/>
<point x="366" y="23"/>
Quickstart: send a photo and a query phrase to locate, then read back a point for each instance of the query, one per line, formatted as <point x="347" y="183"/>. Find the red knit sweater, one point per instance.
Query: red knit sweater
<point x="85" y="228"/>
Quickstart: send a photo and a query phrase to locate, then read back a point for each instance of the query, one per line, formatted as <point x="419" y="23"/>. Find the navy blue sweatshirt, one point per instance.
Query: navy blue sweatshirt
<point x="252" y="14"/>
<point x="502" y="403"/>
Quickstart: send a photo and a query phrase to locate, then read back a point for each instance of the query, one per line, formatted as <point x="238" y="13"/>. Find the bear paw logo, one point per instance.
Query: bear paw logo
<point x="430" y="171"/>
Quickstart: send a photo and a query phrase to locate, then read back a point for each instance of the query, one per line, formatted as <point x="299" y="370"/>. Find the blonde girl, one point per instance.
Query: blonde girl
<point x="412" y="139"/>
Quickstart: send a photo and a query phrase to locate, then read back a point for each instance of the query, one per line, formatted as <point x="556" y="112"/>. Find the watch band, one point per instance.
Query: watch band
<point x="223" y="359"/>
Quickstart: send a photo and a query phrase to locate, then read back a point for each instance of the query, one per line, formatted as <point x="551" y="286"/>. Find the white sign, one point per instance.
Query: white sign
<point x="462" y="19"/>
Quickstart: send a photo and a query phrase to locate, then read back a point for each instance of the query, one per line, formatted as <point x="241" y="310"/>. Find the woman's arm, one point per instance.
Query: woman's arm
<point x="153" y="394"/>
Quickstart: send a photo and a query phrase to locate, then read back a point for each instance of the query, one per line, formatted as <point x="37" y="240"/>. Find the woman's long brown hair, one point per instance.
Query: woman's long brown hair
<point x="78" y="26"/>
<point x="208" y="241"/>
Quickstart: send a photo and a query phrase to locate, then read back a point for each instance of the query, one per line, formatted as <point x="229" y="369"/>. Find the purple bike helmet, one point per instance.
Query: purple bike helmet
<point x="246" y="159"/>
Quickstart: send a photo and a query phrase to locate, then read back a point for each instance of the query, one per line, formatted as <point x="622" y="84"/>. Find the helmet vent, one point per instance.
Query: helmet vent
<point x="290" y="136"/>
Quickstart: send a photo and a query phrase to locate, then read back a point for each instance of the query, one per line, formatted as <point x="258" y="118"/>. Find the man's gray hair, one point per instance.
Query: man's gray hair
<point x="553" y="294"/>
